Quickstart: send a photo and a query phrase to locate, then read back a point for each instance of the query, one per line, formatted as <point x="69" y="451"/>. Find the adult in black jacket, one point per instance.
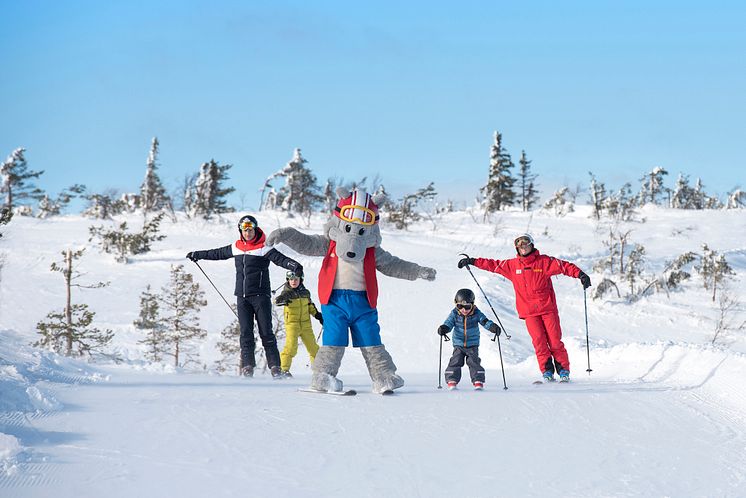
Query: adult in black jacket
<point x="253" y="290"/>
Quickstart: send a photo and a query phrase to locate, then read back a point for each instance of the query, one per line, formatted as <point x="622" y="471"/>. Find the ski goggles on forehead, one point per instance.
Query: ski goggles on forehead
<point x="357" y="214"/>
<point x="522" y="241"/>
<point x="466" y="306"/>
<point x="247" y="225"/>
<point x="291" y="276"/>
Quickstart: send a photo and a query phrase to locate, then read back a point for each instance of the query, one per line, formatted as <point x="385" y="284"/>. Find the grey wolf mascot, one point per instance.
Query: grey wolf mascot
<point x="348" y="289"/>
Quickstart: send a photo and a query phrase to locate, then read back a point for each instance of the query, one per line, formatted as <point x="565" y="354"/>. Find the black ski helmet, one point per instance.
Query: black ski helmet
<point x="464" y="296"/>
<point x="250" y="219"/>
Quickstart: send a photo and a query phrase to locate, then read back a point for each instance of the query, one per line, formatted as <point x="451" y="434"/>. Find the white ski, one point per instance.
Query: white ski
<point x="349" y="392"/>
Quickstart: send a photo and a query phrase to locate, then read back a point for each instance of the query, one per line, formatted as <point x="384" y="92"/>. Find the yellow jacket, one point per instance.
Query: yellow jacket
<point x="298" y="305"/>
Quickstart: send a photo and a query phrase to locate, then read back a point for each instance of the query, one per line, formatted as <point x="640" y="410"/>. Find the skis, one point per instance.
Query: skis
<point x="540" y="382"/>
<point x="349" y="392"/>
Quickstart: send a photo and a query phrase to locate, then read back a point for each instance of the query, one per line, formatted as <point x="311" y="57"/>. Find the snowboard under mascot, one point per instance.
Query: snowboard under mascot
<point x="348" y="289"/>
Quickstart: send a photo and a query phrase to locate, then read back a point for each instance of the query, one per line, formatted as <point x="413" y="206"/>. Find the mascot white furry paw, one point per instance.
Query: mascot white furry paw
<point x="348" y="289"/>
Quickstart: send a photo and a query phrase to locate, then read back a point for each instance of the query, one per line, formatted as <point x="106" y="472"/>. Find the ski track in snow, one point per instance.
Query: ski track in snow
<point x="222" y="435"/>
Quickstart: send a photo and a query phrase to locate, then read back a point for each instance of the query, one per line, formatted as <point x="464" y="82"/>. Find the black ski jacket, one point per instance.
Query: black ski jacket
<point x="252" y="264"/>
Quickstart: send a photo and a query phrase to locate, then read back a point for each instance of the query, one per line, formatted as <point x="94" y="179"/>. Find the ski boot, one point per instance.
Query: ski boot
<point x="478" y="385"/>
<point x="564" y="376"/>
<point x="276" y="373"/>
<point x="452" y="385"/>
<point x="548" y="376"/>
<point x="247" y="371"/>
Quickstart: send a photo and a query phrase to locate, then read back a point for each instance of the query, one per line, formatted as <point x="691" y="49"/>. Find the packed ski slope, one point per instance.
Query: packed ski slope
<point x="662" y="414"/>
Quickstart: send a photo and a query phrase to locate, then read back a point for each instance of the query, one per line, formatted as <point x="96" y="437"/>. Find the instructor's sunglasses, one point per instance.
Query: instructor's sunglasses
<point x="466" y="307"/>
<point x="247" y="225"/>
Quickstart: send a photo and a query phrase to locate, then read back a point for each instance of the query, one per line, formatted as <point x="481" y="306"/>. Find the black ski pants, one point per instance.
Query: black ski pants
<point x="469" y="355"/>
<point x="259" y="308"/>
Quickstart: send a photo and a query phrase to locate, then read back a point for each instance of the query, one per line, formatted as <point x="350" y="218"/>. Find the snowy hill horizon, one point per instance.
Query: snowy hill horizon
<point x="661" y="414"/>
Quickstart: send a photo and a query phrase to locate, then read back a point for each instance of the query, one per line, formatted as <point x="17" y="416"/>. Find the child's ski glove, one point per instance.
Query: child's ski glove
<point x="495" y="329"/>
<point x="320" y="318"/>
<point x="192" y="257"/>
<point x="443" y="330"/>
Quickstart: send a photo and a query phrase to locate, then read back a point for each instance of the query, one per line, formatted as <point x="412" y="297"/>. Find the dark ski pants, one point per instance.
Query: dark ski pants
<point x="259" y="307"/>
<point x="469" y="355"/>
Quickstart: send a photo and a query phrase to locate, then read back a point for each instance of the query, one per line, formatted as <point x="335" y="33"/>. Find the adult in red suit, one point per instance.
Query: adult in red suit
<point x="531" y="272"/>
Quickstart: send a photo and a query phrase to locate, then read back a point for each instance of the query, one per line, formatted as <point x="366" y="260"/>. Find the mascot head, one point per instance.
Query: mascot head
<point x="354" y="224"/>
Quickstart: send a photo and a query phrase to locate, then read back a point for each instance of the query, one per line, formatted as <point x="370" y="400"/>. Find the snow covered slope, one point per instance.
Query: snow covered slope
<point x="662" y="414"/>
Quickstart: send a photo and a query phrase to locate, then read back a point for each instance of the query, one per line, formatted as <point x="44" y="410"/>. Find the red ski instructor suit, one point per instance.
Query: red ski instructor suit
<point x="535" y="301"/>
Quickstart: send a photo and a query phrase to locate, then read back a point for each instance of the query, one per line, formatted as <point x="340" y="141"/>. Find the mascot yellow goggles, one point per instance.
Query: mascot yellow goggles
<point x="350" y="213"/>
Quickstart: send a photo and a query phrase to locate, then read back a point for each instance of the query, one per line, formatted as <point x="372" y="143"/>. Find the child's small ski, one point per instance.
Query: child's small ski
<point x="349" y="392"/>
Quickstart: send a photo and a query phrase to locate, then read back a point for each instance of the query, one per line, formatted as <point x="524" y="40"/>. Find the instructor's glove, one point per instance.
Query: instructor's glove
<point x="495" y="329"/>
<point x="192" y="257"/>
<point x="443" y="330"/>
<point x="320" y="318"/>
<point x="585" y="280"/>
<point x="466" y="261"/>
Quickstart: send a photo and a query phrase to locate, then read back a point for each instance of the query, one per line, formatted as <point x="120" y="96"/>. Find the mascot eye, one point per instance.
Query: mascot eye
<point x="361" y="231"/>
<point x="348" y="228"/>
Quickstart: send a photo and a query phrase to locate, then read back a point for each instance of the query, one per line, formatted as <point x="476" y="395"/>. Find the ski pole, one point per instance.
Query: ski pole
<point x="216" y="289"/>
<point x="486" y="299"/>
<point x="502" y="368"/>
<point x="587" y="345"/>
<point x="318" y="337"/>
<point x="275" y="291"/>
<point x="440" y="359"/>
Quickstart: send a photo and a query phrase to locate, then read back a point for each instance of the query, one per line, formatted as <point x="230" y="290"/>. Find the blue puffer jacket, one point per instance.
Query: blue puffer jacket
<point x="466" y="328"/>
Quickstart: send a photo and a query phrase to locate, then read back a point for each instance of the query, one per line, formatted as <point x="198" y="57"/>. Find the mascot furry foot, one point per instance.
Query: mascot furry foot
<point x="381" y="369"/>
<point x="325" y="369"/>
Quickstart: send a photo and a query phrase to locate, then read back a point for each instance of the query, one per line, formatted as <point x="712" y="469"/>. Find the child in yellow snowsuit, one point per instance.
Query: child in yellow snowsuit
<point x="298" y="310"/>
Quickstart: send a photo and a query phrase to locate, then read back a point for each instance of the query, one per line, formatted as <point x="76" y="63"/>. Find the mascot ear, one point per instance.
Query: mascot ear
<point x="343" y="193"/>
<point x="380" y="198"/>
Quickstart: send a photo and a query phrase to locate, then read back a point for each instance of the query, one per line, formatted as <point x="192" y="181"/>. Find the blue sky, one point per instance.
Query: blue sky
<point x="411" y="91"/>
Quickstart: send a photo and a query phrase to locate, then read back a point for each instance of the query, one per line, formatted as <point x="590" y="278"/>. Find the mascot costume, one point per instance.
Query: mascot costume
<point x="348" y="289"/>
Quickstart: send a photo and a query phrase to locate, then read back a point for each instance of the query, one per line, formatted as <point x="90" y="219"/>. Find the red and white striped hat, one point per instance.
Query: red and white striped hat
<point x="358" y="207"/>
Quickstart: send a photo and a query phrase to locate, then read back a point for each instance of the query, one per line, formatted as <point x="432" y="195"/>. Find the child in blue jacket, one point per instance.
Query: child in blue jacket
<point x="465" y="320"/>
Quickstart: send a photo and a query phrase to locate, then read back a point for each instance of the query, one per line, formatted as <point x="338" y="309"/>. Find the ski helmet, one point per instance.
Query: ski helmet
<point x="524" y="236"/>
<point x="249" y="220"/>
<point x="464" y="296"/>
